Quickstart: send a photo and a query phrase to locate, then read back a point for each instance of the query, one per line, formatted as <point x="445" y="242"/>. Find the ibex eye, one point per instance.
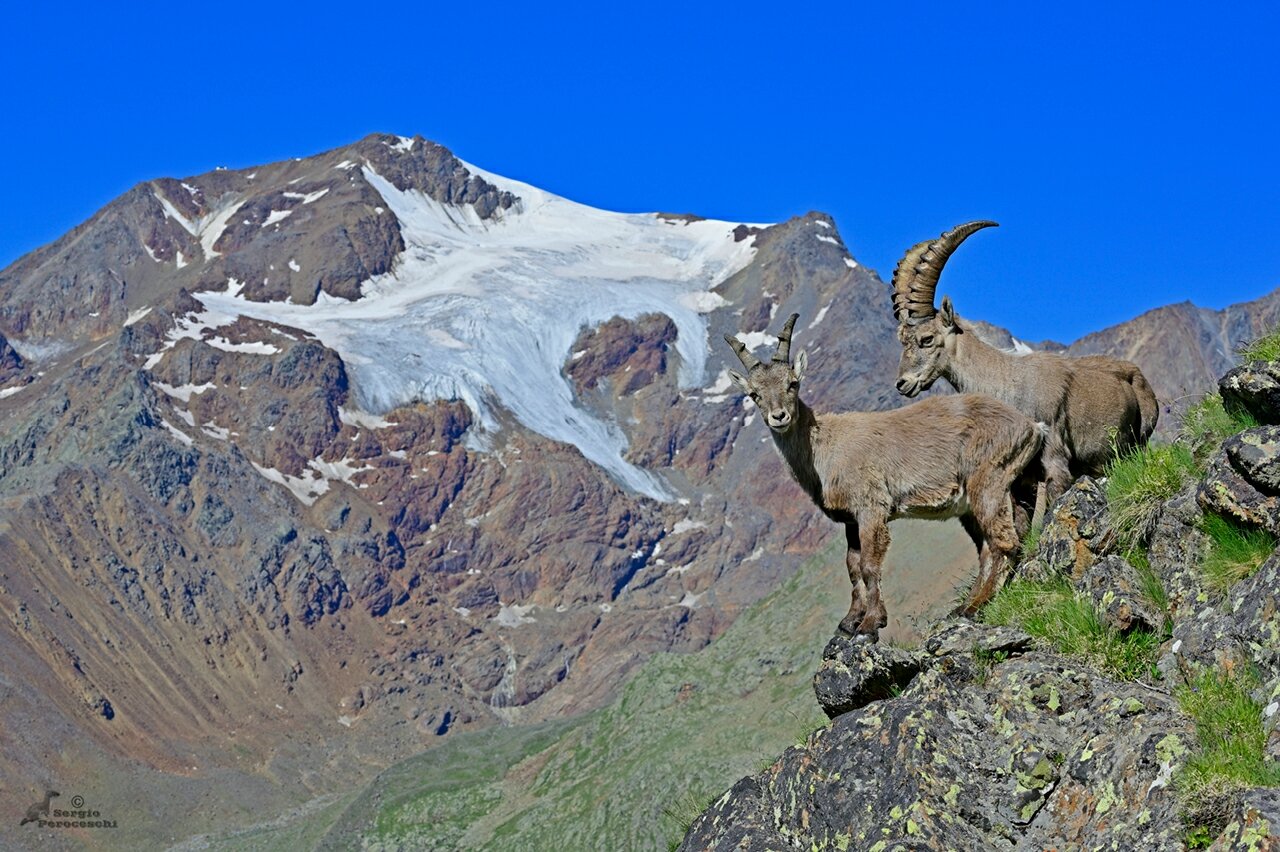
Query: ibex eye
<point x="927" y="340"/>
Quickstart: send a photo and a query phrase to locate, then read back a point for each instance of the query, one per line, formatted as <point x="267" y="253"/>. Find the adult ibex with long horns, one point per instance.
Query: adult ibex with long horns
<point x="1094" y="406"/>
<point x="943" y="457"/>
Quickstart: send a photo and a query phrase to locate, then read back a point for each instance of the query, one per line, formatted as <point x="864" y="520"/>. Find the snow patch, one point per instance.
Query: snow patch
<point x="851" y="263"/>
<point x="690" y="600"/>
<point x="306" y="488"/>
<point x="177" y="433"/>
<point x="821" y="224"/>
<point x="514" y="291"/>
<point x="362" y="419"/>
<point x="136" y="315"/>
<point x="213" y="430"/>
<point x="820" y="315"/>
<point x="755" y="339"/>
<point x="827" y="239"/>
<point x="719" y="390"/>
<point x="8" y="392"/>
<point x="293" y="264"/>
<point x="684" y="525"/>
<point x="513" y="615"/>
<point x="342" y="470"/>
<point x="345" y="165"/>
<point x="308" y="197"/>
<point x="207" y="228"/>
<point x="255" y="347"/>
<point x="277" y="216"/>
<point x="183" y="392"/>
<point x="405" y="144"/>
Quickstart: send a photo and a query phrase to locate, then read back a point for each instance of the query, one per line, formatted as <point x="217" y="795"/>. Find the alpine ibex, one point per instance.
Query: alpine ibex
<point x="1094" y="406"/>
<point x="943" y="457"/>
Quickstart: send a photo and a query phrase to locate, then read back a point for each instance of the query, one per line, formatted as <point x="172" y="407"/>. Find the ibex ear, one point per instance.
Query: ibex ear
<point x="947" y="313"/>
<point x="802" y="361"/>
<point x="739" y="380"/>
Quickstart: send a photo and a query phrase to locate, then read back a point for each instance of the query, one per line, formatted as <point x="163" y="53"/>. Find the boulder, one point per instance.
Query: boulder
<point x="1254" y="823"/>
<point x="1116" y="591"/>
<point x="854" y="673"/>
<point x="1255" y="453"/>
<point x="1225" y="490"/>
<point x="1076" y="531"/>
<point x="1255" y="387"/>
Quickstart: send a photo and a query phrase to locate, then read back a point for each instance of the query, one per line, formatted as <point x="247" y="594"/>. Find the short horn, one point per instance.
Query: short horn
<point x="916" y="276"/>
<point x="744" y="355"/>
<point x="783" y="355"/>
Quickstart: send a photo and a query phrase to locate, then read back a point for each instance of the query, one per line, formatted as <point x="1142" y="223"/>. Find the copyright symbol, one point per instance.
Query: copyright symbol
<point x="77" y="802"/>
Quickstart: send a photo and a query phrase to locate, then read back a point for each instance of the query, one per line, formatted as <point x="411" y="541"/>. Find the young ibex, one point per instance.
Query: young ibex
<point x="1094" y="406"/>
<point x="943" y="457"/>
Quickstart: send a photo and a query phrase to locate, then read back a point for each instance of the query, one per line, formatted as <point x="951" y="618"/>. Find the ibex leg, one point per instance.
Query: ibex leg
<point x="858" y="597"/>
<point x="874" y="536"/>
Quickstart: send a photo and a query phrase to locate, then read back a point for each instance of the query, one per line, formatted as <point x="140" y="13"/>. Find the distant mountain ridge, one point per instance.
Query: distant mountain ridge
<point x="233" y="543"/>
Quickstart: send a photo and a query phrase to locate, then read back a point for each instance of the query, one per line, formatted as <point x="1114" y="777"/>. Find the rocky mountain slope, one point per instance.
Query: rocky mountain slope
<point x="306" y="466"/>
<point x="282" y="553"/>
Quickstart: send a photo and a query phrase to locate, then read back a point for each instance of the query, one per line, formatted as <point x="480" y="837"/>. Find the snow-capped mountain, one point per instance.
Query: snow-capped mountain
<point x="321" y="460"/>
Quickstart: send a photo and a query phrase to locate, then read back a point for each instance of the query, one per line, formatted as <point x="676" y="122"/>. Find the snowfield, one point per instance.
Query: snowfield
<point x="486" y="311"/>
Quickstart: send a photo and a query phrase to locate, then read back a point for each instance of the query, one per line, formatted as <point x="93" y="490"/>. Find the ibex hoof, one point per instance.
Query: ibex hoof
<point x="855" y="628"/>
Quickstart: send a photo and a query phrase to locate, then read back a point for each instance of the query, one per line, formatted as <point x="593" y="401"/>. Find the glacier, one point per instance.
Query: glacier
<point x="485" y="311"/>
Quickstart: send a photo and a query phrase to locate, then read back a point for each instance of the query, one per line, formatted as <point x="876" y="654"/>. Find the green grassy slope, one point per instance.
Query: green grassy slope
<point x="682" y="730"/>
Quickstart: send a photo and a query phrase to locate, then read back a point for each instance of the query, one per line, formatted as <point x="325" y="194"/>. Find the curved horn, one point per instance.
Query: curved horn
<point x="744" y="355"/>
<point x="783" y="355"/>
<point x="915" y="278"/>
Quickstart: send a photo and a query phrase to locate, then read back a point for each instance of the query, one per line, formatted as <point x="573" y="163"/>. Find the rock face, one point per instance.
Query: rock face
<point x="1028" y="753"/>
<point x="1244" y="478"/>
<point x="984" y="739"/>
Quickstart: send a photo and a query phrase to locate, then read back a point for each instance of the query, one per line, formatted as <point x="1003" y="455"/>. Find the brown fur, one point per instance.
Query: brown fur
<point x="1094" y="406"/>
<point x="943" y="457"/>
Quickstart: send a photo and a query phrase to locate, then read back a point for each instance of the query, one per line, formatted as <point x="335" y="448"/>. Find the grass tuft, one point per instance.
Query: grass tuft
<point x="1063" y="619"/>
<point x="1265" y="348"/>
<point x="1030" y="542"/>
<point x="1210" y="422"/>
<point x="1235" y="551"/>
<point x="1139" y="483"/>
<point x="1151" y="588"/>
<point x="682" y="812"/>
<point x="1232" y="748"/>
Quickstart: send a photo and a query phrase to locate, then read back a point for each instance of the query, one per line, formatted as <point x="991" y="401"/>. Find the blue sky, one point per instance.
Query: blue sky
<point x="1128" y="150"/>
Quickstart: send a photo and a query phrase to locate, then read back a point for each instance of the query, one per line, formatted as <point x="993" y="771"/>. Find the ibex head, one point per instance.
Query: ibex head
<point x="774" y="387"/>
<point x="927" y="334"/>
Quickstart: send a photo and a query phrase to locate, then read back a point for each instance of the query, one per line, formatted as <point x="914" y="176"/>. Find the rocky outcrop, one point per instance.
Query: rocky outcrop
<point x="1243" y="482"/>
<point x="1032" y="752"/>
<point x="1255" y="387"/>
<point x="1076" y="533"/>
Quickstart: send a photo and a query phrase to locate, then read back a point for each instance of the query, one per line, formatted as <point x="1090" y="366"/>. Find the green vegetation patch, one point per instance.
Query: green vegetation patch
<point x="1210" y="422"/>
<point x="1139" y="483"/>
<point x="1265" y="348"/>
<point x="1231" y="754"/>
<point x="1235" y="551"/>
<point x="1061" y="618"/>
